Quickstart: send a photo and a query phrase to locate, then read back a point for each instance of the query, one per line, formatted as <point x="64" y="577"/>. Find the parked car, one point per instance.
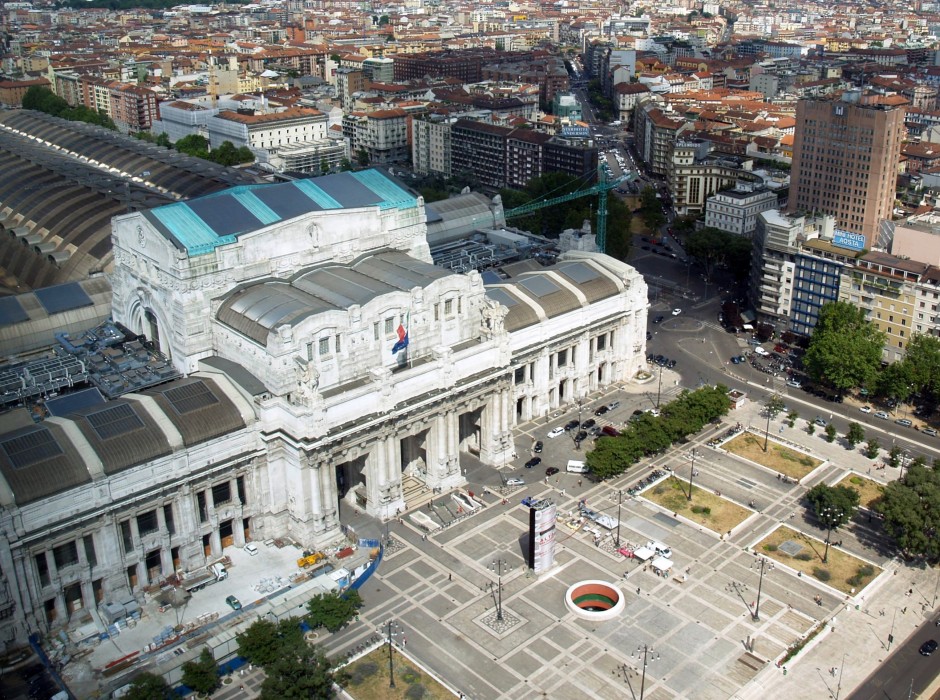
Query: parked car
<point x="795" y="384"/>
<point x="820" y="422"/>
<point x="233" y="603"/>
<point x="601" y="410"/>
<point x="671" y="364"/>
<point x="555" y="432"/>
<point x="551" y="471"/>
<point x="537" y="447"/>
<point x="736" y="360"/>
<point x="929" y="431"/>
<point x="534" y="462"/>
<point x="881" y="414"/>
<point x="589" y="423"/>
<point x="658" y="319"/>
<point x="905" y="422"/>
<point x="251" y="548"/>
<point x="572" y="424"/>
<point x="865" y="409"/>
<point x="515" y="481"/>
<point x="676" y="312"/>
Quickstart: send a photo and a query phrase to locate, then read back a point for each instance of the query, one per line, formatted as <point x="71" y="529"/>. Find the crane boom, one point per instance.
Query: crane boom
<point x="600" y="189"/>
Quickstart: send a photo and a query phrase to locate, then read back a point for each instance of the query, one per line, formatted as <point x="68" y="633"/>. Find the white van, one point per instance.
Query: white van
<point x="660" y="549"/>
<point x="577" y="467"/>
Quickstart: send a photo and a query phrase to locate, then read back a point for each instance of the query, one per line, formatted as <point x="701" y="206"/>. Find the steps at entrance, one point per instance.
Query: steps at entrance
<point x="414" y="492"/>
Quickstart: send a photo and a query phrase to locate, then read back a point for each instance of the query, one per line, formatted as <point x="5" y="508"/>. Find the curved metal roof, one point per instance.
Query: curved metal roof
<point x="255" y="310"/>
<point x="122" y="434"/>
<point x="198" y="409"/>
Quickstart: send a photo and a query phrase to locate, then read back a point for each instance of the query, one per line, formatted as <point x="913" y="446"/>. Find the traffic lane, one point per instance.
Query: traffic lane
<point x="905" y="673"/>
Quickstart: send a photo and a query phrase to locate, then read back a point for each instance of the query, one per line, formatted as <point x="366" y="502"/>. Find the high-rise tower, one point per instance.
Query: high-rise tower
<point x="845" y="159"/>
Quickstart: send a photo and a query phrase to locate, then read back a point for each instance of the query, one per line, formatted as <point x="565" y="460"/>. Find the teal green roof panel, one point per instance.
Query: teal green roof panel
<point x="201" y="225"/>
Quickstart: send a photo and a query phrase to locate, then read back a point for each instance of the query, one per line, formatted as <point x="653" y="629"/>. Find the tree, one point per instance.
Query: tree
<point x="149" y="686"/>
<point x="896" y="381"/>
<point x="193" y="145"/>
<point x="712" y="247"/>
<point x="265" y="641"/>
<point x="845" y="350"/>
<point x="333" y="610"/>
<point x="163" y="140"/>
<point x="872" y="448"/>
<point x="791" y="418"/>
<point x="922" y="355"/>
<point x="894" y="456"/>
<point x="202" y="675"/>
<point x="362" y="157"/>
<point x="911" y="510"/>
<point x="301" y="673"/>
<point x="833" y="505"/>
<point x="830" y="433"/>
<point x="773" y="406"/>
<point x="855" y="435"/>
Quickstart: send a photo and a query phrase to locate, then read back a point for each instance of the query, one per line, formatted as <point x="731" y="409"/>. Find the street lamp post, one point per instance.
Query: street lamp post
<point x="691" y="474"/>
<point x="760" y="584"/>
<point x="648" y="655"/>
<point x="498" y="565"/>
<point x="659" y="390"/>
<point x="391" y="624"/>
<point x="830" y="516"/>
<point x="620" y="501"/>
<point x="577" y="431"/>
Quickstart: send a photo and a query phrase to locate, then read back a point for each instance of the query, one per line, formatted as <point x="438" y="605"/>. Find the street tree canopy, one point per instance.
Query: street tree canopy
<point x="712" y="247"/>
<point x="202" y="675"/>
<point x="301" y="673"/>
<point x="911" y="510"/>
<point x="845" y="350"/>
<point x="833" y="505"/>
<point x="333" y="610"/>
<point x="149" y="686"/>
<point x="264" y="641"/>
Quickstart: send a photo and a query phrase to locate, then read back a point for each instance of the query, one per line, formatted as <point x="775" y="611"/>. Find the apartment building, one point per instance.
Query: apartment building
<point x="384" y="134"/>
<point x="655" y="132"/>
<point x="695" y="173"/>
<point x="133" y="108"/>
<point x="269" y="131"/>
<point x="431" y="151"/>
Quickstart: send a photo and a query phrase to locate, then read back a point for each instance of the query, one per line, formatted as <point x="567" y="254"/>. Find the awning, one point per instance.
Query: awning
<point x="662" y="564"/>
<point x="643" y="553"/>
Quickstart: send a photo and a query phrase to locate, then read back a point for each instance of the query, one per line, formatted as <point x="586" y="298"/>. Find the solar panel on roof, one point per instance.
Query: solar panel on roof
<point x="114" y="421"/>
<point x="11" y="311"/>
<point x="224" y="214"/>
<point x="32" y="448"/>
<point x="540" y="286"/>
<point x="190" y="397"/>
<point x="490" y="277"/>
<point x="578" y="272"/>
<point x="69" y="403"/>
<point x="62" y="297"/>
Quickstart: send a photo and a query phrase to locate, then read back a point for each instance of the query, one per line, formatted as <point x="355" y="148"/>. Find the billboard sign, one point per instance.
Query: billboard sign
<point x="575" y="131"/>
<point x="846" y="239"/>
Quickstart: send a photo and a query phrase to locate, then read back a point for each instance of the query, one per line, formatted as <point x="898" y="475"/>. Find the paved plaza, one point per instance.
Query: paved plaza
<point x="705" y="643"/>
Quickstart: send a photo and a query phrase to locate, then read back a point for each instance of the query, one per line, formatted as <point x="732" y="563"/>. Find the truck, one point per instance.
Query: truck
<point x="310" y="559"/>
<point x="199" y="579"/>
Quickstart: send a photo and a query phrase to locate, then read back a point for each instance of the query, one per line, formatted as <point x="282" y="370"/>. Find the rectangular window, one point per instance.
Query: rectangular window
<point x="562" y="358"/>
<point x="222" y="493"/>
<point x="168" y="518"/>
<point x="375" y="330"/>
<point x="126" y="538"/>
<point x="90" y="556"/>
<point x="337" y="345"/>
<point x="448" y="307"/>
<point x="240" y="487"/>
<point x="389" y="326"/>
<point x="42" y="568"/>
<point x="601" y="342"/>
<point x="323" y="347"/>
<point x="147" y="523"/>
<point x="65" y="554"/>
<point x="201" y="505"/>
<point x="520" y="375"/>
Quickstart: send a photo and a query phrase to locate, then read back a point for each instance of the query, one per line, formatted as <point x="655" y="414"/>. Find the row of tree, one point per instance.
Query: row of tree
<point x="43" y="99"/>
<point x="845" y="353"/>
<point x="293" y="668"/>
<point x="647" y="434"/>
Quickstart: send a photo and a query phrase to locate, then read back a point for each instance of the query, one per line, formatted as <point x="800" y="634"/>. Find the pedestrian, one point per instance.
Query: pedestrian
<point x="579" y="482"/>
<point x="450" y="577"/>
<point x="638" y="589"/>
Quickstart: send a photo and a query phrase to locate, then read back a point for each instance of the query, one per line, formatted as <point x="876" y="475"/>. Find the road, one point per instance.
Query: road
<point x="905" y="673"/>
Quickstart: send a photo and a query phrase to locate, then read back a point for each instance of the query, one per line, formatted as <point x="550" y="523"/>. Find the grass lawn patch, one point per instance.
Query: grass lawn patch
<point x="368" y="679"/>
<point x="843" y="571"/>
<point x="869" y="490"/>
<point x="778" y="457"/>
<point x="712" y="511"/>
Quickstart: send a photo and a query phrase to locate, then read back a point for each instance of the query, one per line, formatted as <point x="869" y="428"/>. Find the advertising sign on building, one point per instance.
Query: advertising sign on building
<point x="846" y="239"/>
<point x="542" y="536"/>
<point x="575" y="131"/>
